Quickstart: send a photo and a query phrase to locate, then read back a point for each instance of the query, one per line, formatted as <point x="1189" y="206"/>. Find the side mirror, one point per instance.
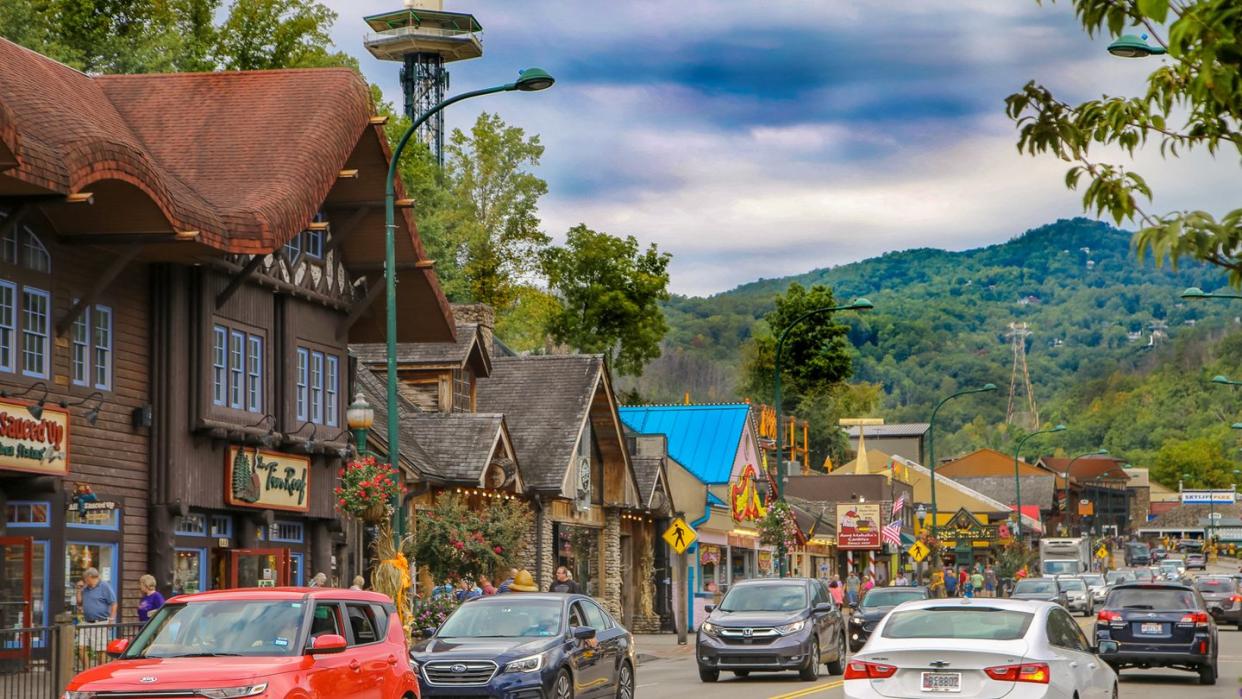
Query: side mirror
<point x="1106" y="647"/>
<point x="584" y="633"/>
<point x="821" y="608"/>
<point x="429" y="631"/>
<point x="708" y="608"/>
<point x="327" y="643"/>
<point x="117" y="647"/>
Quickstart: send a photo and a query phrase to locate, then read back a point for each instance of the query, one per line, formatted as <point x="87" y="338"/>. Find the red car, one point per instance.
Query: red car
<point x="277" y="643"/>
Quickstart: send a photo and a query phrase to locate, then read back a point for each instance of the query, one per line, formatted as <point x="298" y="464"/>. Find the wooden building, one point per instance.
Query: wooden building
<point x="183" y="262"/>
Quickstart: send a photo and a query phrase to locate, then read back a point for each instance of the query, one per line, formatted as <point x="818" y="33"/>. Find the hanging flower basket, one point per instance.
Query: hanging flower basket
<point x="375" y="513"/>
<point x="366" y="487"/>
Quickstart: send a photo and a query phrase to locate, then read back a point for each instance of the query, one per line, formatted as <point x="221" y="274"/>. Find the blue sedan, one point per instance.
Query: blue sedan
<point x="527" y="646"/>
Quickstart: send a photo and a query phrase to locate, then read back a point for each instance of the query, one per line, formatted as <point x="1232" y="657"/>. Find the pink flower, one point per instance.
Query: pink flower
<point x="497" y="549"/>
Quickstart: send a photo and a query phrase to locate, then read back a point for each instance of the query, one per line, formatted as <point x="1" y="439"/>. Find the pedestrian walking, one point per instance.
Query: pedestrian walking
<point x="937" y="587"/>
<point x="507" y="582"/>
<point x="150" y="599"/>
<point x="359" y="582"/>
<point x="97" y="604"/>
<point x="564" y="582"/>
<point x="963" y="579"/>
<point x="868" y="584"/>
<point x="837" y="590"/>
<point x="950" y="584"/>
<point x="523" y="582"/>
<point x="989" y="581"/>
<point x="852" y="583"/>
<point x="976" y="583"/>
<point x="485" y="584"/>
<point x="320" y="580"/>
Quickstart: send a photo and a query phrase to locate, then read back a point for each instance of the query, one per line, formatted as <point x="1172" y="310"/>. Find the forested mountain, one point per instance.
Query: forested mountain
<point x="941" y="320"/>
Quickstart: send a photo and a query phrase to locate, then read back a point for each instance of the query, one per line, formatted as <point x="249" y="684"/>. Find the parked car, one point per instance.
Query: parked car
<point x="1196" y="561"/>
<point x="1040" y="590"/>
<point x="534" y="645"/>
<point x="1158" y="625"/>
<point x="1098" y="586"/>
<point x="272" y="642"/>
<point x="770" y="625"/>
<point x="1223" y="598"/>
<point x="979" y="648"/>
<point x="875" y="604"/>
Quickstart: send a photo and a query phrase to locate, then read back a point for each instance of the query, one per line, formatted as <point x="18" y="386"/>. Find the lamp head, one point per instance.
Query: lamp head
<point x="1236" y="426"/>
<point x="360" y="415"/>
<point x="36" y="410"/>
<point x="861" y="304"/>
<point x="988" y="387"/>
<point x="1131" y="46"/>
<point x="92" y="415"/>
<point x="1059" y="428"/>
<point x="1193" y="293"/>
<point x="1221" y="378"/>
<point x="533" y="80"/>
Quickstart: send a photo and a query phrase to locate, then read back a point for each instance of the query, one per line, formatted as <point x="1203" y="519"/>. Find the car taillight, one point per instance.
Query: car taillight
<point x="1236" y="598"/>
<point x="1027" y="672"/>
<point x="1108" y="615"/>
<point x="1196" y="618"/>
<point x="859" y="670"/>
<point x="1202" y="647"/>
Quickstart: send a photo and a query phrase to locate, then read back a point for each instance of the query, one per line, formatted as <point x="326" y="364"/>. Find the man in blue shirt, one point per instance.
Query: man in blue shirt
<point x="97" y="602"/>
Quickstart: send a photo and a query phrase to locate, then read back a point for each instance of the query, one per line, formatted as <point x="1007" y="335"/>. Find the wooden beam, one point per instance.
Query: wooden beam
<point x="378" y="120"/>
<point x="284" y="286"/>
<point x="375" y="203"/>
<point x="80" y="198"/>
<point x="374" y="287"/>
<point x="340" y="232"/>
<point x="238" y="279"/>
<point x="101" y="284"/>
<point x="348" y="174"/>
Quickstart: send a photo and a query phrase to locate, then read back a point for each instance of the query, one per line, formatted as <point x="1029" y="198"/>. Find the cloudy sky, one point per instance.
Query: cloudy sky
<point x="759" y="139"/>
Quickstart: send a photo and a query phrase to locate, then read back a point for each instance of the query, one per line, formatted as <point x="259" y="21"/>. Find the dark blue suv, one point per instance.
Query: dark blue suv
<point x="527" y="646"/>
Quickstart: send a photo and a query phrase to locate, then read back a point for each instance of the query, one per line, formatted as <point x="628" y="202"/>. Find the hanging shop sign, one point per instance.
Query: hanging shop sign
<point x="744" y="498"/>
<point x="33" y="445"/>
<point x="267" y="480"/>
<point x="709" y="555"/>
<point x="765" y="561"/>
<point x="966" y="527"/>
<point x="858" y="526"/>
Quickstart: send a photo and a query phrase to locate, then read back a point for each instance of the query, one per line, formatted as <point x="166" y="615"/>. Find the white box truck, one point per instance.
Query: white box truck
<point x="1069" y="556"/>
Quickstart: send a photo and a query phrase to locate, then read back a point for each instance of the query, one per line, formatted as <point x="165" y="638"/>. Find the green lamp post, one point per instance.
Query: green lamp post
<point x="931" y="444"/>
<point x="1017" y="480"/>
<point x="1131" y="46"/>
<point x="529" y="80"/>
<point x="860" y="304"/>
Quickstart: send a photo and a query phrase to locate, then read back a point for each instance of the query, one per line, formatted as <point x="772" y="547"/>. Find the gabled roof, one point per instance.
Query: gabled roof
<point x="466" y="349"/>
<point x="649" y="472"/>
<point x="1087" y="468"/>
<point x="984" y="502"/>
<point x="703" y="438"/>
<point x="412" y="455"/>
<point x="987" y="462"/>
<point x="462" y="444"/>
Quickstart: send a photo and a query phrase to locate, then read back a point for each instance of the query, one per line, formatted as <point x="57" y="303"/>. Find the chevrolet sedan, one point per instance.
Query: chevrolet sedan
<point x="975" y="648"/>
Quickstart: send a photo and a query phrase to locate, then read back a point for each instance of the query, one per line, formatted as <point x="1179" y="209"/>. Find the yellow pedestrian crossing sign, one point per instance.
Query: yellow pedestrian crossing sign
<point x="1101" y="552"/>
<point x="680" y="535"/>
<point x="918" y="551"/>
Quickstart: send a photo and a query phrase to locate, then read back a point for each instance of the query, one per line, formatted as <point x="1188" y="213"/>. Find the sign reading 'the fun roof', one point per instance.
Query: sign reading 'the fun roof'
<point x="267" y="480"/>
<point x="33" y="445"/>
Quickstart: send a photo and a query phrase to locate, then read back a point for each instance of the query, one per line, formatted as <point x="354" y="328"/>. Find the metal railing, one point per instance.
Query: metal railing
<point x="90" y="642"/>
<point x="398" y="32"/>
<point x="30" y="663"/>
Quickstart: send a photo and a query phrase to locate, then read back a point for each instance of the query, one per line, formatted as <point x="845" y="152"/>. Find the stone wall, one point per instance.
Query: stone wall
<point x="543" y="567"/>
<point x="1140" y="507"/>
<point x="612" y="562"/>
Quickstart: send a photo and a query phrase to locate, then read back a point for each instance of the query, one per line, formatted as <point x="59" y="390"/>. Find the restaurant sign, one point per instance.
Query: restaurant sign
<point x="33" y="445"/>
<point x="267" y="480"/>
<point x="858" y="526"/>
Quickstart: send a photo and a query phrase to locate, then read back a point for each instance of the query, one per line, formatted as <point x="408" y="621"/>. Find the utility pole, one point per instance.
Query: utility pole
<point x="683" y="604"/>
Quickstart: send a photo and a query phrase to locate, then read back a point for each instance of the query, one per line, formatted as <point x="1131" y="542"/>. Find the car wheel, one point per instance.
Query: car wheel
<point x="741" y="673"/>
<point x="810" y="673"/>
<point x="706" y="675"/>
<point x="563" y="688"/>
<point x="837" y="667"/>
<point x="1207" y="674"/>
<point x="625" y="681"/>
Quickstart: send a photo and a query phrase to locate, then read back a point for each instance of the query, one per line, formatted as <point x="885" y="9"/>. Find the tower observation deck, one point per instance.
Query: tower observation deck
<point x="424" y="37"/>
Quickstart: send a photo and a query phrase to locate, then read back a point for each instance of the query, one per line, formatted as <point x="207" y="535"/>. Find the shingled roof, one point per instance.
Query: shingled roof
<point x="647" y="472"/>
<point x="432" y="354"/>
<point x="412" y="455"/>
<point x="462" y="444"/>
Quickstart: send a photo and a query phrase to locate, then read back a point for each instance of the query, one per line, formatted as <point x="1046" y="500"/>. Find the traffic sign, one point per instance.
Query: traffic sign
<point x="918" y="551"/>
<point x="1101" y="552"/>
<point x="680" y="535"/>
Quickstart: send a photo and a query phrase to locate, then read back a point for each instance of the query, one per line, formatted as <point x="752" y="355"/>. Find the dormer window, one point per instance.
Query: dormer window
<point x="21" y="246"/>
<point x="309" y="242"/>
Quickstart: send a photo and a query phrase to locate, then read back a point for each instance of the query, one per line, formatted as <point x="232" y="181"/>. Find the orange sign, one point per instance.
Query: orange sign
<point x="33" y="445"/>
<point x="744" y="496"/>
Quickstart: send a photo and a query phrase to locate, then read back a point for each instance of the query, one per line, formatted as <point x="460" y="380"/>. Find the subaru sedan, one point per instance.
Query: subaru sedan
<point x="528" y="646"/>
<point x="1159" y="625"/>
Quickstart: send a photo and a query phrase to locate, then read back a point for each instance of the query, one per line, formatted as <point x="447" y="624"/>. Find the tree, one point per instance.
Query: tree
<point x="1193" y="101"/>
<point x="1202" y="460"/>
<point x="264" y="34"/>
<point x="609" y="291"/>
<point x="815" y="354"/>
<point x="490" y="216"/>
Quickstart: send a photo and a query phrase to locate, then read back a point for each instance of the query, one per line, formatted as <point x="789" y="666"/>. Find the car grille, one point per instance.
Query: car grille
<point x="749" y="636"/>
<point x="459" y="673"/>
<point x="748" y="660"/>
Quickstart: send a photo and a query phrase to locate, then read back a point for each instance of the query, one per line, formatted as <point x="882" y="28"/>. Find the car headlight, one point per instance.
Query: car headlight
<point x="77" y="695"/>
<point x="530" y="664"/>
<point x="709" y="628"/>
<point x="857" y="620"/>
<point x="233" y="692"/>
<point x="791" y="628"/>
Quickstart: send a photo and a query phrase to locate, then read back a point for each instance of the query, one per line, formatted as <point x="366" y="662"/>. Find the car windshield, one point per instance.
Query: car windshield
<point x="956" y="623"/>
<point x="1061" y="567"/>
<point x="1150" y="598"/>
<point x="221" y="627"/>
<point x="511" y="618"/>
<point x="1073" y="584"/>
<point x="890" y="598"/>
<point x="1116" y="576"/>
<point x="1093" y="579"/>
<point x="1038" y="587"/>
<point x="765" y="598"/>
<point x="1219" y="586"/>
<point x="1145" y="574"/>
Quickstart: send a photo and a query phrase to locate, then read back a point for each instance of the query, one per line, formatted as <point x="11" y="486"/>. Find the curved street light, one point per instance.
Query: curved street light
<point x="1131" y="46"/>
<point x="1194" y="293"/>
<point x="931" y="444"/>
<point x="529" y="80"/>
<point x="1017" y="481"/>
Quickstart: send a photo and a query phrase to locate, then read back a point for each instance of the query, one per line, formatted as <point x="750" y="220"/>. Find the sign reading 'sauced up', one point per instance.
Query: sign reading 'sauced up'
<point x="30" y="445"/>
<point x="267" y="479"/>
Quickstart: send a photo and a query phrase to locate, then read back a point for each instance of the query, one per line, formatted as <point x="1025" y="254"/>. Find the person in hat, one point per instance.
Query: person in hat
<point x="523" y="582"/>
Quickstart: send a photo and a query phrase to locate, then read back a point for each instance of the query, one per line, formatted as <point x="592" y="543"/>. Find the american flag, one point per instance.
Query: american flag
<point x="899" y="503"/>
<point x="892" y="533"/>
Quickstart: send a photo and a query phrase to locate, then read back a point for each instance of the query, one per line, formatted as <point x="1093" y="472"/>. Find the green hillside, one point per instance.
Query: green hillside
<point x="941" y="319"/>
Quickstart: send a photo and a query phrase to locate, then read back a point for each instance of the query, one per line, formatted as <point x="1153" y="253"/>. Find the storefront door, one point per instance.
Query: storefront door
<point x="259" y="567"/>
<point x="16" y="569"/>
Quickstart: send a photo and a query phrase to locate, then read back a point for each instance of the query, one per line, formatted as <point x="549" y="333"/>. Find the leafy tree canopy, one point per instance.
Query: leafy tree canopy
<point x="815" y="355"/>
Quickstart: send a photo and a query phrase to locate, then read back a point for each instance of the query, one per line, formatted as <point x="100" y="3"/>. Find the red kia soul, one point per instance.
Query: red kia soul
<point x="282" y="643"/>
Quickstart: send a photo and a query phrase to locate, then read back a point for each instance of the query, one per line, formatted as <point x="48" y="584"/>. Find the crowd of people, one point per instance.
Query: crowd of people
<point x="518" y="581"/>
<point x="980" y="581"/>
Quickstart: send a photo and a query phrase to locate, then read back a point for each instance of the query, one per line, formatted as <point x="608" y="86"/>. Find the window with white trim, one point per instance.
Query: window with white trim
<point x="254" y="373"/>
<point x="194" y="524"/>
<point x="79" y="359"/>
<point x="36" y="336"/>
<point x="303" y="383"/>
<point x="313" y="244"/>
<point x="21" y="245"/>
<point x="293" y="249"/>
<point x="8" y="246"/>
<point x="35" y="256"/>
<point x="318" y="387"/>
<point x="102" y="357"/>
<point x="219" y="364"/>
<point x="8" y="325"/>
<point x="237" y="369"/>
<point x="331" y="408"/>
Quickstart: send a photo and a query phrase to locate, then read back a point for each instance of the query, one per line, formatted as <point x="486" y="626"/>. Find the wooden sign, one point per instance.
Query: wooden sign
<point x="267" y="480"/>
<point x="30" y="445"/>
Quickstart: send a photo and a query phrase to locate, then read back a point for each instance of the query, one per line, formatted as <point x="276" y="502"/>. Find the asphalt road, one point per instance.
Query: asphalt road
<point x="678" y="678"/>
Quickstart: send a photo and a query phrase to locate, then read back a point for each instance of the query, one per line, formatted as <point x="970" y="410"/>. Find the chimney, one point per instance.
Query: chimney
<point x="479" y="314"/>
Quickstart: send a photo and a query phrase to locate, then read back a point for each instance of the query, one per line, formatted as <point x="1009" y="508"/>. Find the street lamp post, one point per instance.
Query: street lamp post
<point x="931" y="445"/>
<point x="360" y="416"/>
<point x="859" y="304"/>
<point x="529" y="80"/>
<point x="1069" y="467"/>
<point x="1017" y="479"/>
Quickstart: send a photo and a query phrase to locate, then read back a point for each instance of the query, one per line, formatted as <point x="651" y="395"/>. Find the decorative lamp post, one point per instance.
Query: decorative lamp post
<point x="360" y="416"/>
<point x="860" y="304"/>
<point x="1017" y="480"/>
<point x="529" y="80"/>
<point x="931" y="444"/>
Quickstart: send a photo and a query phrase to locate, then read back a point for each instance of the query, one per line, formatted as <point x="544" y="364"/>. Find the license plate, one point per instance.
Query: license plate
<point x="942" y="681"/>
<point x="1151" y="629"/>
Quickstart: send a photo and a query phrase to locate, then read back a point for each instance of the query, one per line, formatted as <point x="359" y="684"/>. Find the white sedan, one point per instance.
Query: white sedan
<point x="979" y="647"/>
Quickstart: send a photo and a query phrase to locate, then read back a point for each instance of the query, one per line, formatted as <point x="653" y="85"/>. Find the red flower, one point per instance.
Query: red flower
<point x="458" y="545"/>
<point x="498" y="550"/>
<point x="342" y="501"/>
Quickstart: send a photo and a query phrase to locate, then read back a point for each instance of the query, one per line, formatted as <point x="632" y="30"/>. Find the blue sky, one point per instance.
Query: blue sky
<point x="759" y="139"/>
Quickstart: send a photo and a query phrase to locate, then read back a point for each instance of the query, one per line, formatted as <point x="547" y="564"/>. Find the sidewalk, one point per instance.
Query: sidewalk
<point x="653" y="647"/>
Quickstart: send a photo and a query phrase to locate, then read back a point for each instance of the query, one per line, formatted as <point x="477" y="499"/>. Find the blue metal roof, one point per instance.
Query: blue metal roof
<point x="715" y="501"/>
<point x="703" y="438"/>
